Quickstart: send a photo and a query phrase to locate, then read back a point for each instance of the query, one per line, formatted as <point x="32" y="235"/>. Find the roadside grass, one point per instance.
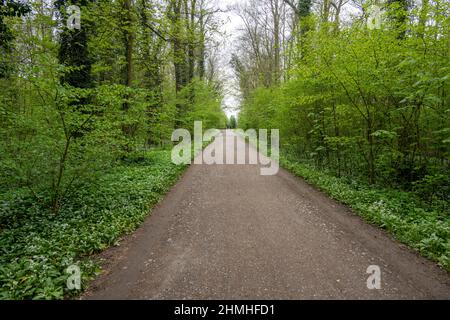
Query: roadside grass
<point x="402" y="214"/>
<point x="36" y="247"/>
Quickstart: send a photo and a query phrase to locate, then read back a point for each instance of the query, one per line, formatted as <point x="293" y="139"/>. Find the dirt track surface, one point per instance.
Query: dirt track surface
<point x="226" y="232"/>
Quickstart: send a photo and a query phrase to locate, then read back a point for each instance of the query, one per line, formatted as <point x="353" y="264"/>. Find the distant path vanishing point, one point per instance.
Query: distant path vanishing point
<point x="226" y="232"/>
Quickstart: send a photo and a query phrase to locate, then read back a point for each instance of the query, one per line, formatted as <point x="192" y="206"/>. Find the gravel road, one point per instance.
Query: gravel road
<point x="226" y="232"/>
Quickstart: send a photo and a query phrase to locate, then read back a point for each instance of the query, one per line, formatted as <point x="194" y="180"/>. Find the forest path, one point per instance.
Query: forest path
<point x="226" y="232"/>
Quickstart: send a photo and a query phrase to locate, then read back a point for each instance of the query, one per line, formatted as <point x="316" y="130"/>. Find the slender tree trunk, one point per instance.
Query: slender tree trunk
<point x="191" y="41"/>
<point x="399" y="13"/>
<point x="371" y="157"/>
<point x="178" y="53"/>
<point x="275" y="6"/>
<point x="129" y="42"/>
<point x="202" y="53"/>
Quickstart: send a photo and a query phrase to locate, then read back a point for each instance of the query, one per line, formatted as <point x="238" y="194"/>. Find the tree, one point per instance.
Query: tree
<point x="8" y="8"/>
<point x="83" y="100"/>
<point x="73" y="50"/>
<point x="232" y="123"/>
<point x="359" y="101"/>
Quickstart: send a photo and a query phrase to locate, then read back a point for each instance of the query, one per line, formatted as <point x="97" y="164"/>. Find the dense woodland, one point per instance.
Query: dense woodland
<point x="75" y="101"/>
<point x="361" y="98"/>
<point x="76" y="104"/>
<point x="359" y="89"/>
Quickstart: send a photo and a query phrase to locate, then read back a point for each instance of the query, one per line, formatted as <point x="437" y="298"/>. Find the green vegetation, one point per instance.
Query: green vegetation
<point x="86" y="120"/>
<point x="363" y="111"/>
<point x="37" y="246"/>
<point x="232" y="123"/>
<point x="86" y="116"/>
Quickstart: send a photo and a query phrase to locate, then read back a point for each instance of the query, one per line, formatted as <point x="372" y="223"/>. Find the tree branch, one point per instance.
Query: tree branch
<point x="293" y="6"/>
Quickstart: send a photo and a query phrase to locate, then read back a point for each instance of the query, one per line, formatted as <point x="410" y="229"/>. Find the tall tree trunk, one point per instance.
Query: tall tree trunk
<point x="73" y="51"/>
<point x="326" y="6"/>
<point x="202" y="53"/>
<point x="398" y="11"/>
<point x="179" y="55"/>
<point x="6" y="36"/>
<point x="151" y="47"/>
<point x="423" y="17"/>
<point x="128" y="42"/>
<point x="275" y="6"/>
<point x="191" y="42"/>
<point x="176" y="39"/>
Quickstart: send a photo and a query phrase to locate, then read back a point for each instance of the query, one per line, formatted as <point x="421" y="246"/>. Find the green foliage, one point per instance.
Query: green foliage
<point x="82" y="115"/>
<point x="8" y="8"/>
<point x="434" y="187"/>
<point x="364" y="115"/>
<point x="37" y="247"/>
<point x="232" y="122"/>
<point x="200" y="103"/>
<point x="365" y="103"/>
<point x="68" y="115"/>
